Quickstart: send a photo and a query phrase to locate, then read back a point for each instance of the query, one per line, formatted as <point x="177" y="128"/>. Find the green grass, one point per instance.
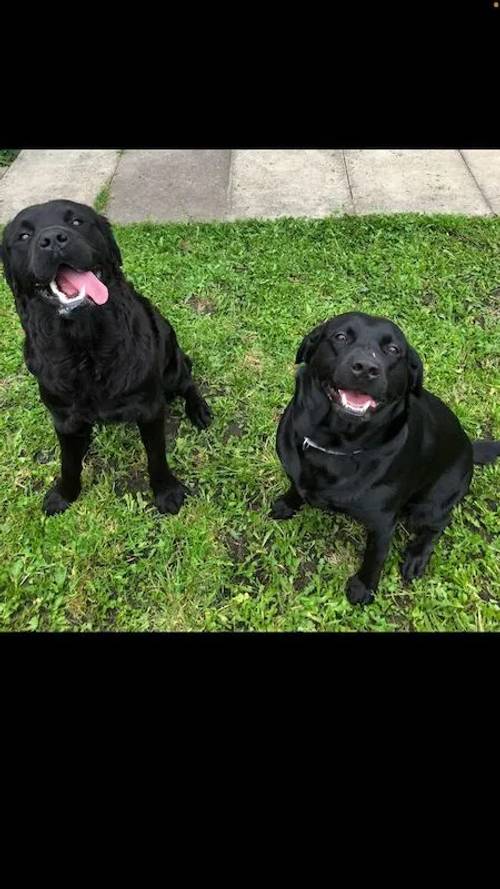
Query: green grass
<point x="102" y="198"/>
<point x="7" y="155"/>
<point x="241" y="296"/>
<point x="101" y="201"/>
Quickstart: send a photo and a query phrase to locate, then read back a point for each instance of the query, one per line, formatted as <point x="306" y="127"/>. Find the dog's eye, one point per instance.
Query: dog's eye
<point x="24" y="236"/>
<point x="76" y="222"/>
<point x="394" y="350"/>
<point x="341" y="337"/>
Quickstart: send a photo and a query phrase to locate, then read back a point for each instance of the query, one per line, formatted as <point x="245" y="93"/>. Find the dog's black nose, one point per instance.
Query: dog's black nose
<point x="53" y="237"/>
<point x="364" y="367"/>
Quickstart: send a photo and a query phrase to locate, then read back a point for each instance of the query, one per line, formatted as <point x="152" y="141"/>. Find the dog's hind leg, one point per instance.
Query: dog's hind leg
<point x="197" y="409"/>
<point x="179" y="381"/>
<point x="429" y="515"/>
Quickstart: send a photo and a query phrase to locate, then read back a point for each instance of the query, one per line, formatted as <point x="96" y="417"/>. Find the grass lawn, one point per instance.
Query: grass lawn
<point x="241" y="296"/>
<point x="7" y="155"/>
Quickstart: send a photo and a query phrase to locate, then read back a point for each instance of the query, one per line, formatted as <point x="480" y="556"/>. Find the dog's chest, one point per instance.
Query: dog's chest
<point x="80" y="377"/>
<point x="333" y="482"/>
<point x="89" y="388"/>
<point x="91" y="385"/>
<point x="326" y="478"/>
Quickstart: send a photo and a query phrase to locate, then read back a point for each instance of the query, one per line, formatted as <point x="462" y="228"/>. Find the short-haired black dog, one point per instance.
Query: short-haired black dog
<point x="99" y="350"/>
<point x="361" y="436"/>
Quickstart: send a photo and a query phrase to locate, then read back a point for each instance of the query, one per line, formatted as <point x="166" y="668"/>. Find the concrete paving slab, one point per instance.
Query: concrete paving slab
<point x="45" y="174"/>
<point x="173" y="185"/>
<point x="269" y="183"/>
<point x="420" y="181"/>
<point x="177" y="185"/>
<point x="484" y="165"/>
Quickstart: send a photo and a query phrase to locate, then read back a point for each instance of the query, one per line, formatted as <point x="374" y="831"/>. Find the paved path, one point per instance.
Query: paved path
<point x="180" y="185"/>
<point x="41" y="175"/>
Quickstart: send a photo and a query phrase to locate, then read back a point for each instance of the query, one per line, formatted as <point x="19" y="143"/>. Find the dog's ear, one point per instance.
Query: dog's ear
<point x="415" y="372"/>
<point x="107" y="231"/>
<point x="309" y="344"/>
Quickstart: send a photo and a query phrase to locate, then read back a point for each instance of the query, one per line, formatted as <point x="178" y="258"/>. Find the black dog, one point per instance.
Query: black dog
<point x="361" y="436"/>
<point x="99" y="350"/>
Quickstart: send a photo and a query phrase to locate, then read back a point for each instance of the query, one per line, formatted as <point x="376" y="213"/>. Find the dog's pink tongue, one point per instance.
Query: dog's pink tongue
<point x="358" y="399"/>
<point x="71" y="282"/>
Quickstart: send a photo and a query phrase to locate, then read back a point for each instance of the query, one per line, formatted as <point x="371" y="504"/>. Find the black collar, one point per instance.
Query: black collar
<point x="309" y="443"/>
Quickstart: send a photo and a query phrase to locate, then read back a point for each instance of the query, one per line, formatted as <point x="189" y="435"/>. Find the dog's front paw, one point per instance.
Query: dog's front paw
<point x="54" y="502"/>
<point x="281" y="510"/>
<point x="171" y="499"/>
<point x="414" y="565"/>
<point x="357" y="592"/>
<point x="198" y="412"/>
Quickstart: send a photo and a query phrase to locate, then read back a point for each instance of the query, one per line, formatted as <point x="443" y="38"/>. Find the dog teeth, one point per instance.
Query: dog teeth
<point x="356" y="409"/>
<point x="56" y="291"/>
<point x="71" y="301"/>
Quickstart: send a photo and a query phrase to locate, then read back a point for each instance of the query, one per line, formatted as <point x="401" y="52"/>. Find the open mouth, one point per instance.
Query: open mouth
<point x="357" y="403"/>
<point x="72" y="287"/>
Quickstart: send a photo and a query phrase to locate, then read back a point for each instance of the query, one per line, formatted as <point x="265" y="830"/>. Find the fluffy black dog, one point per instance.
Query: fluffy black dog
<point x="99" y="350"/>
<point x="361" y="436"/>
